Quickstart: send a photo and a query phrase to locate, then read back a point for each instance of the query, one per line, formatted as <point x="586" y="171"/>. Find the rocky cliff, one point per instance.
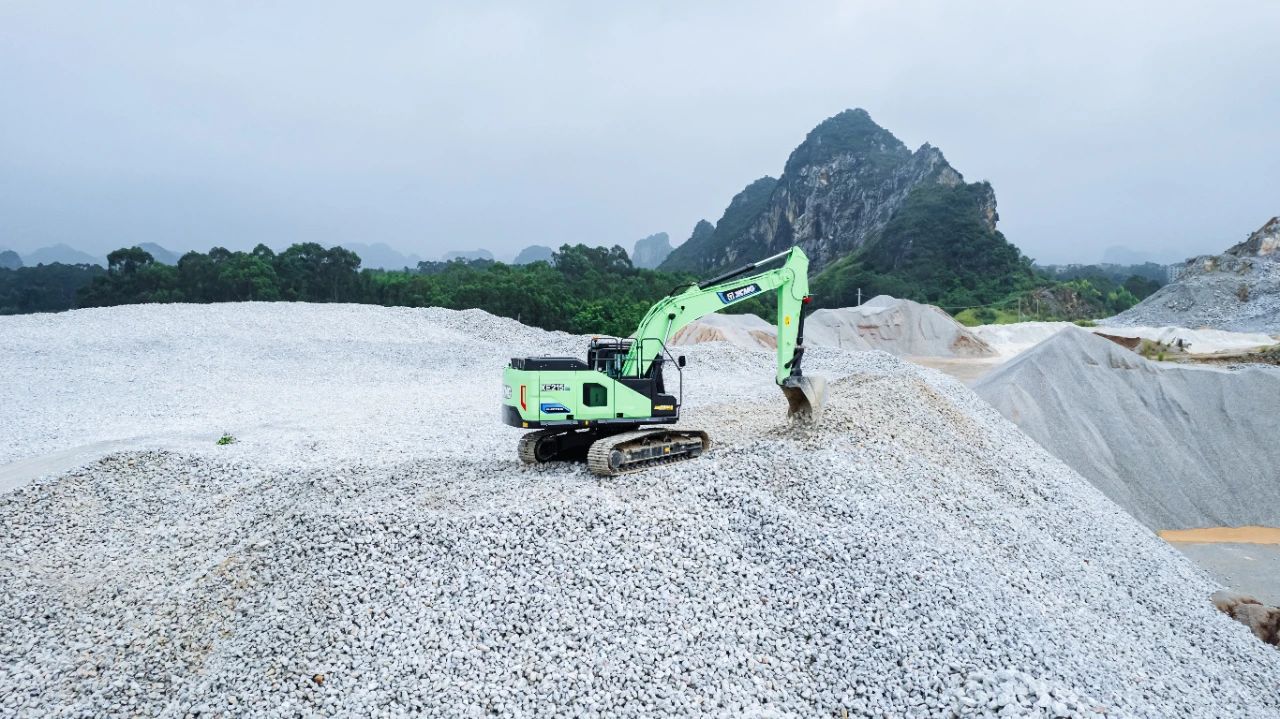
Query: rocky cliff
<point x="838" y="189"/>
<point x="651" y="251"/>
<point x="1238" y="290"/>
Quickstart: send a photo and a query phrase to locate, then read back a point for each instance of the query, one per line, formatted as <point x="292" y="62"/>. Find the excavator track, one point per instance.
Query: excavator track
<point x="629" y="452"/>
<point x="528" y="447"/>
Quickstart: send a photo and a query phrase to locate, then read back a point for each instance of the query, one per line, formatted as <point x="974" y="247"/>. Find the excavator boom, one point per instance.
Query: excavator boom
<point x="790" y="281"/>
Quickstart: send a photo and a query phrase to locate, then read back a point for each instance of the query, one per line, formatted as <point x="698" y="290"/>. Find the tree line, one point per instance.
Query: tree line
<point x="582" y="289"/>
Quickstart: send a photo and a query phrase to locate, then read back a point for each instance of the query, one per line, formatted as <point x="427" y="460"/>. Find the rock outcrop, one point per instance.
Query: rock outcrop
<point x="651" y="251"/>
<point x="839" y="187"/>
<point x="1238" y="290"/>
<point x="1262" y="620"/>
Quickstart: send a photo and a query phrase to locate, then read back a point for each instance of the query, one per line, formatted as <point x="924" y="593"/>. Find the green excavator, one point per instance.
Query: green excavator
<point x="599" y="409"/>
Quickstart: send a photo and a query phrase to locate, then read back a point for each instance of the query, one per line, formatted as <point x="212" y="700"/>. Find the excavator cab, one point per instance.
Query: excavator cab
<point x="607" y="354"/>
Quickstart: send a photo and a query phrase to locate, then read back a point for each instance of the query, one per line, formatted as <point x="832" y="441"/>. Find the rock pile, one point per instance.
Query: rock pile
<point x="1238" y="290"/>
<point x="1262" y="620"/>
<point x="914" y="556"/>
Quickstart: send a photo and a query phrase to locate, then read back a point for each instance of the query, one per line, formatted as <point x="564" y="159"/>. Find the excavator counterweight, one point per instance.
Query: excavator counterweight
<point x="598" y="409"/>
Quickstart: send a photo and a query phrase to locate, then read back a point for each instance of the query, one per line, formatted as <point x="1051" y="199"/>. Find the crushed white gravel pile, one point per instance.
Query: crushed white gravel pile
<point x="1176" y="446"/>
<point x="900" y="327"/>
<point x="913" y="556"/>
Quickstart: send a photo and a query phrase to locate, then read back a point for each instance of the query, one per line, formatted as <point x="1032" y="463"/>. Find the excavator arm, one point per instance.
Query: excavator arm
<point x="790" y="282"/>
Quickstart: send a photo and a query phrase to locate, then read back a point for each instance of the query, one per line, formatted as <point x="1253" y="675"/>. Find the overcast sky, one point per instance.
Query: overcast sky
<point x="1154" y="126"/>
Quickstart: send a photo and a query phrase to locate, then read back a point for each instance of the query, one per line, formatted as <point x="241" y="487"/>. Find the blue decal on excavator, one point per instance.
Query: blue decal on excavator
<point x="737" y="293"/>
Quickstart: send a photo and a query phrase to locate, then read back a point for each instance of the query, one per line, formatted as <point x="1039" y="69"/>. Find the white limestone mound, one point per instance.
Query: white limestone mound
<point x="1177" y="447"/>
<point x="900" y="327"/>
<point x="1013" y="339"/>
<point x="371" y="546"/>
<point x="741" y="330"/>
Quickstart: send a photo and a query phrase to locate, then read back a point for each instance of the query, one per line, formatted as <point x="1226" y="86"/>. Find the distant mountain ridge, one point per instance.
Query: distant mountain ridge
<point x="381" y="256"/>
<point x="533" y="253"/>
<point x="160" y="254"/>
<point x="63" y="254"/>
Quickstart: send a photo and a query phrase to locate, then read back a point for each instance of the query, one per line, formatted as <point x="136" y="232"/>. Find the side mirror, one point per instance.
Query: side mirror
<point x="680" y="361"/>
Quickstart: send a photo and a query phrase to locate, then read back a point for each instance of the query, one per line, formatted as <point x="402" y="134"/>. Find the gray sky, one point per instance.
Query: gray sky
<point x="1155" y="126"/>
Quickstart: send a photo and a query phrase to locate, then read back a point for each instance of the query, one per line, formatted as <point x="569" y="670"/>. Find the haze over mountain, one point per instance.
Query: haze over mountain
<point x="61" y="253"/>
<point x="1151" y="128"/>
<point x="381" y="256"/>
<point x="160" y="254"/>
<point x="651" y="251"/>
<point x="533" y="253"/>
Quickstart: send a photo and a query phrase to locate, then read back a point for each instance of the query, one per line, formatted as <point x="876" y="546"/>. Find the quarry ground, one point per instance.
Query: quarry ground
<point x="370" y="546"/>
<point x="1253" y="569"/>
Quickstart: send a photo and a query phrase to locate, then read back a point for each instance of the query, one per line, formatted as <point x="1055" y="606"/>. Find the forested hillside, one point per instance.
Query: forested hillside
<point x="583" y="289"/>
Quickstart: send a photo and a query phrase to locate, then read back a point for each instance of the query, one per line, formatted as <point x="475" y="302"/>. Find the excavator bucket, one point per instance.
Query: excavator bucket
<point x="805" y="397"/>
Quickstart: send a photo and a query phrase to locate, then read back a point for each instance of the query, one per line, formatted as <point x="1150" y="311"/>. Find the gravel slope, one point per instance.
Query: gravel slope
<point x="1176" y="446"/>
<point x="1238" y="290"/>
<point x="372" y="548"/>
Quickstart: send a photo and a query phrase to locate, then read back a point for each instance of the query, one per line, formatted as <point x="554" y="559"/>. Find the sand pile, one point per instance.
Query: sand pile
<point x="740" y="330"/>
<point x="1238" y="290"/>
<point x="1177" y="447"/>
<point x="375" y="548"/>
